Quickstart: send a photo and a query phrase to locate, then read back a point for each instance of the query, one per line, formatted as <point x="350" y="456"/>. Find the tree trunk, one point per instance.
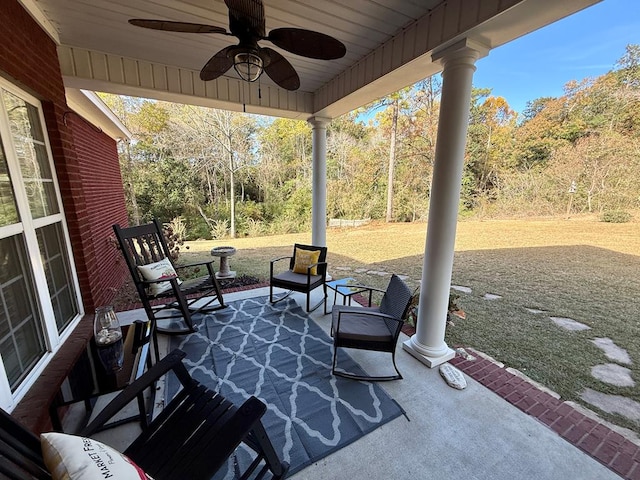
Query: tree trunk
<point x="392" y="161"/>
<point x="135" y="209"/>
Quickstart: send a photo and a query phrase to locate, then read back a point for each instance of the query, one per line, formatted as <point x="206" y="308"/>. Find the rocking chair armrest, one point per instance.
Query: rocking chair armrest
<point x="195" y="264"/>
<point x="367" y="289"/>
<point x="280" y="258"/>
<point x="274" y="261"/>
<point x="209" y="264"/>
<point x="168" y="278"/>
<point x="314" y="265"/>
<point x="173" y="361"/>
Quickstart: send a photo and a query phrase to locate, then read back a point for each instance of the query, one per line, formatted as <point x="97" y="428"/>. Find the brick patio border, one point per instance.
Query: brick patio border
<point x="588" y="434"/>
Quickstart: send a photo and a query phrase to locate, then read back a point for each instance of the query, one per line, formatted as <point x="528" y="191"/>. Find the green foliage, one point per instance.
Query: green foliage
<point x="198" y="229"/>
<point x="253" y="174"/>
<point x="615" y="216"/>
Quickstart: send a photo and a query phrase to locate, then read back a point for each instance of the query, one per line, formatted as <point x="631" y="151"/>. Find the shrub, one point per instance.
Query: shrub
<point x="615" y="216"/>
<point x="255" y="228"/>
<point x="220" y="229"/>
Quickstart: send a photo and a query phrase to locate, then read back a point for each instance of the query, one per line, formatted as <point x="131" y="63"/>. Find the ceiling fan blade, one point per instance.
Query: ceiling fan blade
<point x="169" y="26"/>
<point x="307" y="43"/>
<point x="246" y="18"/>
<point x="279" y="69"/>
<point x="217" y="65"/>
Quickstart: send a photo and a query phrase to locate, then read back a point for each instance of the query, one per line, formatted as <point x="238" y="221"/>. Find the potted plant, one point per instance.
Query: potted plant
<point x="453" y="309"/>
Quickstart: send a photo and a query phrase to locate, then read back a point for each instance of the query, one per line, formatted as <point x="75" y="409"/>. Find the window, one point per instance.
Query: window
<point x="38" y="291"/>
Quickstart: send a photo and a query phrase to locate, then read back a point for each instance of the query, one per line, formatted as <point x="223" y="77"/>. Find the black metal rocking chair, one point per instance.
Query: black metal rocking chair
<point x="371" y="328"/>
<point x="191" y="438"/>
<point x="307" y="271"/>
<point x="154" y="275"/>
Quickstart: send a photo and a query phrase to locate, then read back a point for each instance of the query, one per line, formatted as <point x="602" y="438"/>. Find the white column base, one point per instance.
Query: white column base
<point x="430" y="362"/>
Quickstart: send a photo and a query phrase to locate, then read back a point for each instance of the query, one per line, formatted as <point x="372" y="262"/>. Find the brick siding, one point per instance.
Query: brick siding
<point x="104" y="204"/>
<point x="86" y="160"/>
<point x="86" y="164"/>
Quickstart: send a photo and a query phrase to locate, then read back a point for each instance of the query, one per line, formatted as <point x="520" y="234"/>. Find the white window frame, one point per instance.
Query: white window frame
<point x="28" y="227"/>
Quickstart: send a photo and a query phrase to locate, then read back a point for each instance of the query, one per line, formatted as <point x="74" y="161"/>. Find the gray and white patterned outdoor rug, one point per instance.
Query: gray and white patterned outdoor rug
<point x="278" y="354"/>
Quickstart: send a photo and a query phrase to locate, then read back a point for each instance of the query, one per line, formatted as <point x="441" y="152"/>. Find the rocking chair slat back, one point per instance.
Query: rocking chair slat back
<point x="192" y="438"/>
<point x="20" y="454"/>
<point x="146" y="244"/>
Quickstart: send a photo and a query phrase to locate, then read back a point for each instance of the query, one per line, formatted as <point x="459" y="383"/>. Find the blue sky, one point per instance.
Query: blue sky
<point x="539" y="64"/>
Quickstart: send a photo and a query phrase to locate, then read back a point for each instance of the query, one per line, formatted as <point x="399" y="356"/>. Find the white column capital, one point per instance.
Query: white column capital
<point x="464" y="51"/>
<point x="319" y="122"/>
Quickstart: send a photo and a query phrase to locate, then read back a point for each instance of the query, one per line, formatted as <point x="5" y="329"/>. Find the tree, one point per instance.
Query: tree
<point x="215" y="140"/>
<point x="283" y="172"/>
<point x="490" y="142"/>
<point x="391" y="106"/>
<point x="132" y="112"/>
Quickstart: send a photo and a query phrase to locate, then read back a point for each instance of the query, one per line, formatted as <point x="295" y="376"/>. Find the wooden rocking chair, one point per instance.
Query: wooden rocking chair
<point x="192" y="438"/>
<point x="154" y="275"/>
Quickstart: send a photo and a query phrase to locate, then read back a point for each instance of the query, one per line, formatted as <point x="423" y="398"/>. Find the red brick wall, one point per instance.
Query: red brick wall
<point x="103" y="195"/>
<point x="29" y="59"/>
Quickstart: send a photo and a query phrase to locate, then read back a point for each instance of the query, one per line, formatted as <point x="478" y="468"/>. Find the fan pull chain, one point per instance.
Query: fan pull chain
<point x="244" y="105"/>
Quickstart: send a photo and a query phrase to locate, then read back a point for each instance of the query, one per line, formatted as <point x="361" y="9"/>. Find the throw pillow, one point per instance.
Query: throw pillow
<point x="304" y="258"/>
<point x="68" y="457"/>
<point x="158" y="271"/>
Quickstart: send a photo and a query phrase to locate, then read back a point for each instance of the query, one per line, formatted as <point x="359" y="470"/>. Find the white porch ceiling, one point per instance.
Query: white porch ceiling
<point x="389" y="46"/>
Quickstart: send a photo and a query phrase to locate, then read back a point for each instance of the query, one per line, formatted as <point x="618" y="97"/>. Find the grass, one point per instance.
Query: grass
<point x="580" y="268"/>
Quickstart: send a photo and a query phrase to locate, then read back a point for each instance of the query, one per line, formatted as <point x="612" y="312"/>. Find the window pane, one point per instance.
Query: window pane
<point x="28" y="139"/>
<point x="21" y="335"/>
<point x="8" y="211"/>
<point x="58" y="274"/>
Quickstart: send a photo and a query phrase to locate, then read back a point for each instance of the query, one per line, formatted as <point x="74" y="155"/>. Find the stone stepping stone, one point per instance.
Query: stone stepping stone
<point x="535" y="311"/>
<point x="452" y="376"/>
<point x="492" y="296"/>
<point x="403" y="277"/>
<point x="380" y="274"/>
<point x="612" y="351"/>
<point x="569" y="324"/>
<point x="346" y="269"/>
<point x="460" y="288"/>
<point x="613" y="374"/>
<point x="624" y="406"/>
<point x="360" y="270"/>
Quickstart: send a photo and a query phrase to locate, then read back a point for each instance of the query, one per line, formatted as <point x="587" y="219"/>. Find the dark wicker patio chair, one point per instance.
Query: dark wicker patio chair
<point x="371" y="328"/>
<point x="191" y="438"/>
<point x="146" y="253"/>
<point x="307" y="271"/>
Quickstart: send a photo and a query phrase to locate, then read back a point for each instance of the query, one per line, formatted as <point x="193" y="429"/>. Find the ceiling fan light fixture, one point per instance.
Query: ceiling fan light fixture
<point x="248" y="65"/>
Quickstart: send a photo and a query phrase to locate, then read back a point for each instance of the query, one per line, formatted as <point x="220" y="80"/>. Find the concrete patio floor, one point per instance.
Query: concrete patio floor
<point x="447" y="433"/>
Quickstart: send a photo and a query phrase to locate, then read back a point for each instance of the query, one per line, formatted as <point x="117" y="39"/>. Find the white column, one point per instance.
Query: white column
<point x="428" y="344"/>
<point x="319" y="181"/>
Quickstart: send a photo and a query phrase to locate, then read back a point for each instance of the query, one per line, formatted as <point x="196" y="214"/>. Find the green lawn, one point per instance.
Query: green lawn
<point x="580" y="268"/>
